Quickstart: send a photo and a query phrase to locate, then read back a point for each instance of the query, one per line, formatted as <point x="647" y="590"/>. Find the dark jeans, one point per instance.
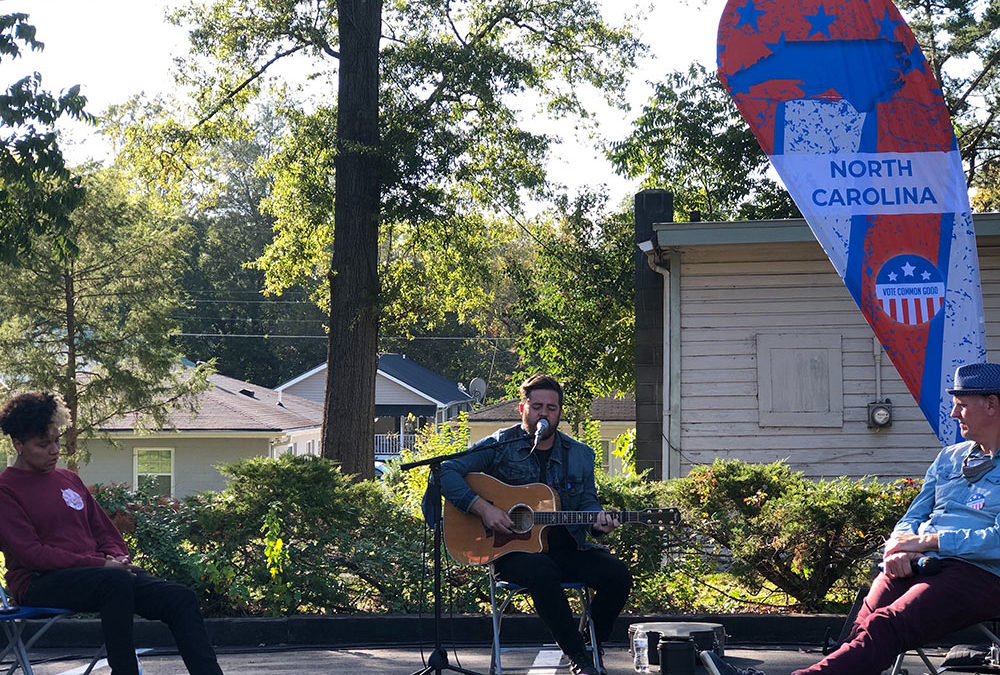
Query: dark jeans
<point x="542" y="574"/>
<point x="117" y="595"/>
<point x="903" y="614"/>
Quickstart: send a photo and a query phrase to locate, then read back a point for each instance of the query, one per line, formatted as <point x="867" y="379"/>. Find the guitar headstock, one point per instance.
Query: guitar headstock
<point x="663" y="517"/>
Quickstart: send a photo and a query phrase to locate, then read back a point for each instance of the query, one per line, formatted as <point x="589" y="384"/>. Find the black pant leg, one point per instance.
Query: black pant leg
<point x="105" y="590"/>
<point x="608" y="576"/>
<point x="177" y="606"/>
<point x="539" y="573"/>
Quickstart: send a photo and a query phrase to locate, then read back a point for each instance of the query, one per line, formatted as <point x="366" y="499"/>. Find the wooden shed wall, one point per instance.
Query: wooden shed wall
<point x="730" y="295"/>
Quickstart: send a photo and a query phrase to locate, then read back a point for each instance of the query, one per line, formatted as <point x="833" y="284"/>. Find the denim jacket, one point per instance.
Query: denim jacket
<point x="506" y="455"/>
<point x="964" y="515"/>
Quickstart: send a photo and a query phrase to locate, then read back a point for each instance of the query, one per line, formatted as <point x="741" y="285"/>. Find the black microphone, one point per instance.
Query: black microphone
<point x="927" y="565"/>
<point x="540" y="429"/>
<point x="924" y="566"/>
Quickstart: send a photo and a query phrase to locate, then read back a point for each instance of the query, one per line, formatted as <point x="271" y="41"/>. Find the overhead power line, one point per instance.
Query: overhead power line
<point x="251" y="302"/>
<point x="248" y="335"/>
<point x="324" y="337"/>
<point x="245" y="319"/>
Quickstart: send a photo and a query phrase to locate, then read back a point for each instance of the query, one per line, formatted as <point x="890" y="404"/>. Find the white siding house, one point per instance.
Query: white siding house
<point x="767" y="356"/>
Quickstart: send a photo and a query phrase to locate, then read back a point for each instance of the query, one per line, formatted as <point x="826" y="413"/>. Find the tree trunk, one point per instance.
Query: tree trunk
<point x="352" y="359"/>
<point x="70" y="394"/>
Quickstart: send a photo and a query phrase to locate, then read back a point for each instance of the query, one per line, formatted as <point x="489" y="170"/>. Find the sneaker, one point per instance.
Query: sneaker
<point x="582" y="664"/>
<point x="716" y="666"/>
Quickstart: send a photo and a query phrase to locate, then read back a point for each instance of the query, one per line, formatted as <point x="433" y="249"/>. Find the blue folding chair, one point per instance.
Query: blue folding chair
<point x="13" y="620"/>
<point x="502" y="593"/>
<point x="992" y="660"/>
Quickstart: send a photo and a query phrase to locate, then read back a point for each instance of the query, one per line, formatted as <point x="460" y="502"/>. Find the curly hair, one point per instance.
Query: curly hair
<point x="541" y="381"/>
<point x="32" y="414"/>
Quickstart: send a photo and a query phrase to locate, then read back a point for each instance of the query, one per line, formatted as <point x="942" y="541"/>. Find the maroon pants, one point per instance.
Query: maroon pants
<point x="903" y="614"/>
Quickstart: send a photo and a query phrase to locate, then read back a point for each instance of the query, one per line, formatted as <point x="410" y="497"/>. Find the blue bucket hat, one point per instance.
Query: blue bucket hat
<point x="976" y="378"/>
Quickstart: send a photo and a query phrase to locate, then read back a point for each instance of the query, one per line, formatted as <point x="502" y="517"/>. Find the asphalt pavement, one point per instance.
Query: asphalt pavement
<point x="407" y="659"/>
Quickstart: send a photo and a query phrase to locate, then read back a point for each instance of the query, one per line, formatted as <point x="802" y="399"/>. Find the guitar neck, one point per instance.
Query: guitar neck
<point x="582" y="517"/>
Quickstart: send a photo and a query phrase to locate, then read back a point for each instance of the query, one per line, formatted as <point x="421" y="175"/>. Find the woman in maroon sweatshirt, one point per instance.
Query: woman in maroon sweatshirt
<point x="62" y="550"/>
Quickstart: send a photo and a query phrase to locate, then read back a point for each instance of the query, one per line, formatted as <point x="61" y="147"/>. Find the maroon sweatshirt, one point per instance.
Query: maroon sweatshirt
<point x="50" y="521"/>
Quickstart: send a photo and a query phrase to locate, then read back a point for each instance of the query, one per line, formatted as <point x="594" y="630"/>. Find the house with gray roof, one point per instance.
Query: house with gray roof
<point x="234" y="420"/>
<point x="408" y="396"/>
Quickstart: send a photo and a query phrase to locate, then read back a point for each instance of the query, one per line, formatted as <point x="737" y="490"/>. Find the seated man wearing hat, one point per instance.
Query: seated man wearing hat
<point x="954" y="518"/>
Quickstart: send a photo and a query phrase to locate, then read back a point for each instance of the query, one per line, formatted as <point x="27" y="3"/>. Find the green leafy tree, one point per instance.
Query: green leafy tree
<point x="958" y="39"/>
<point x="691" y="140"/>
<point x="226" y="308"/>
<point x="578" y="313"/>
<point x="95" y="326"/>
<point x="37" y="191"/>
<point x="424" y="135"/>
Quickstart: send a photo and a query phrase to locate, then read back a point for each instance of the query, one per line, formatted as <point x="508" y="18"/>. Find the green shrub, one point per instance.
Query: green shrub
<point x="292" y="535"/>
<point x="642" y="547"/>
<point x="288" y="535"/>
<point x="465" y="587"/>
<point x="155" y="529"/>
<point x="765" y="522"/>
<point x="344" y="547"/>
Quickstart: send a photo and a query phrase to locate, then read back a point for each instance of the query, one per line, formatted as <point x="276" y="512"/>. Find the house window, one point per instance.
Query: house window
<point x="606" y="448"/>
<point x="800" y="380"/>
<point x="153" y="469"/>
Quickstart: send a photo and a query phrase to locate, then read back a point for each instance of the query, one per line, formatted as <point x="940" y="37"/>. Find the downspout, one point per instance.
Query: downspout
<point x="877" y="353"/>
<point x="671" y="404"/>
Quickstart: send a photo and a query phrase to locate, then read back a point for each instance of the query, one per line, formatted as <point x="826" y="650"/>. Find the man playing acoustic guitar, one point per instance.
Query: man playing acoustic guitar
<point x="520" y="455"/>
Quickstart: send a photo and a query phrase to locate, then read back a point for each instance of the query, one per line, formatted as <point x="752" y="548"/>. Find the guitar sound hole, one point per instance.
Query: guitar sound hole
<point x="523" y="517"/>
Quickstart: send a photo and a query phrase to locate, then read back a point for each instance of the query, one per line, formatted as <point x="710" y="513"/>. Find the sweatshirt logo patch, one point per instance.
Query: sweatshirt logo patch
<point x="72" y="499"/>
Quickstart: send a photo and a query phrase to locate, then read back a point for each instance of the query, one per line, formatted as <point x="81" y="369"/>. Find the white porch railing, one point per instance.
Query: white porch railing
<point x="390" y="445"/>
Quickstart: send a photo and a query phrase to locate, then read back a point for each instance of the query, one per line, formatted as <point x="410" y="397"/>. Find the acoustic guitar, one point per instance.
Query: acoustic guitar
<point x="532" y="507"/>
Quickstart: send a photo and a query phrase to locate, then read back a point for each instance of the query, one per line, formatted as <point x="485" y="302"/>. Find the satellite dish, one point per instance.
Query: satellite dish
<point x="477" y="388"/>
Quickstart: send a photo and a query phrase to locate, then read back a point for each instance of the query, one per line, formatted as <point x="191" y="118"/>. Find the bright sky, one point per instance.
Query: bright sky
<point x="118" y="48"/>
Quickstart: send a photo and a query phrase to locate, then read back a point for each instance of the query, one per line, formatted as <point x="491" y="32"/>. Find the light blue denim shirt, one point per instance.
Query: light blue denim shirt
<point x="507" y="456"/>
<point x="964" y="515"/>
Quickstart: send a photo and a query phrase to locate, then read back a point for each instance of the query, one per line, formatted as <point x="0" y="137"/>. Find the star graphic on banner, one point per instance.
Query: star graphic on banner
<point x="749" y="15"/>
<point x="893" y="276"/>
<point x="887" y="27"/>
<point x="916" y="60"/>
<point x="908" y="270"/>
<point x="820" y="22"/>
<point x="776" y="46"/>
<point x="925" y="276"/>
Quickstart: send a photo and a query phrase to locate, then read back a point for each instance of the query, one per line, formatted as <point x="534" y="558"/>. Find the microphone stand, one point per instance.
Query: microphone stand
<point x="438" y="661"/>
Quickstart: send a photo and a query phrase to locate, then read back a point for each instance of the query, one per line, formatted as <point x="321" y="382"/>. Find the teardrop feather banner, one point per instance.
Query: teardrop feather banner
<point x="842" y="100"/>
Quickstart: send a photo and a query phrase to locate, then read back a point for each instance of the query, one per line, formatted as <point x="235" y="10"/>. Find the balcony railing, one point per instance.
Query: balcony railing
<point x="390" y="445"/>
